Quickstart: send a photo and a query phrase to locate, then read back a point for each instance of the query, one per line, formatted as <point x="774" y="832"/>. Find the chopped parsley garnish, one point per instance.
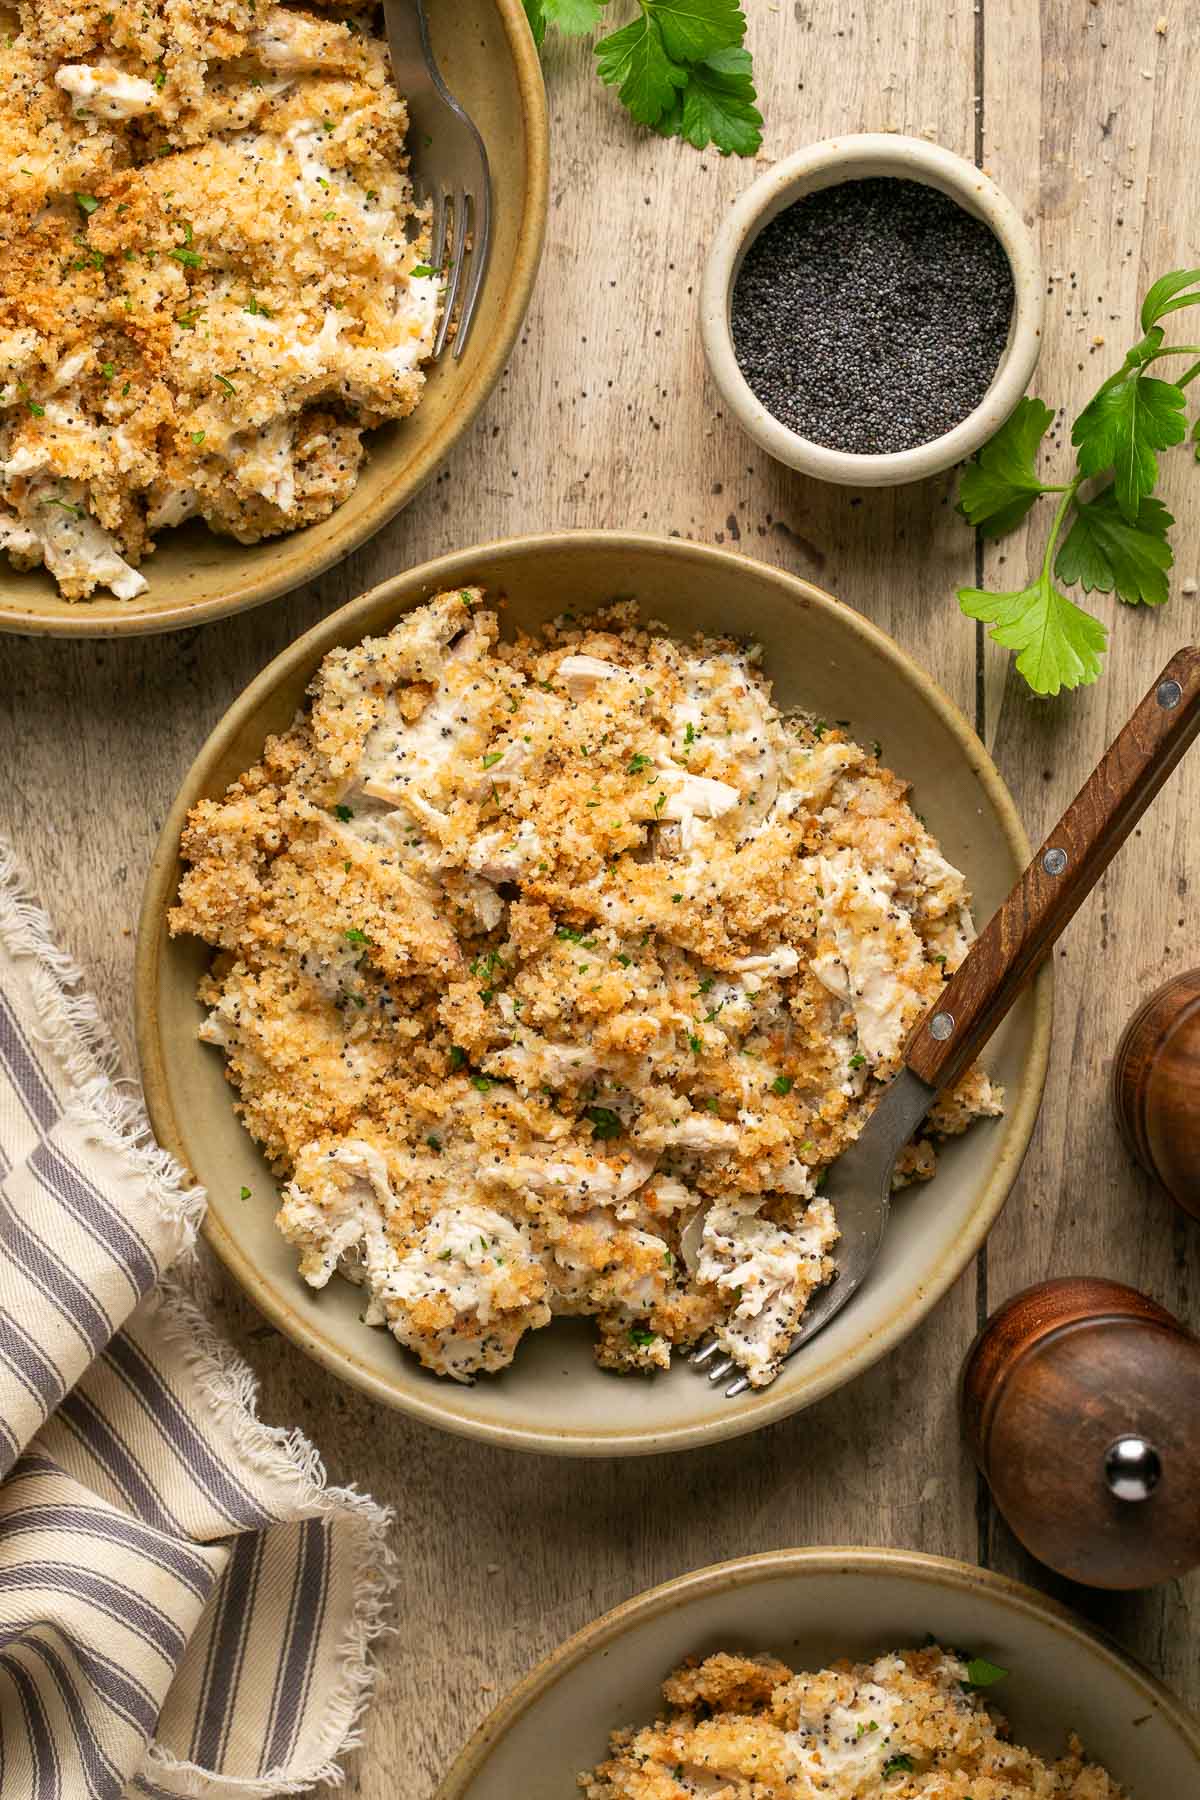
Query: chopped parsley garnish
<point x="39" y="412"/>
<point x="706" y="984"/>
<point x="355" y="936"/>
<point x="108" y="370"/>
<point x="76" y="512"/>
<point x="689" y="736"/>
<point x="188" y="319"/>
<point x="245" y="1193"/>
<point x="782" y="1084"/>
<point x="863" y="1729"/>
<point x="227" y="384"/>
<point x="423" y="269"/>
<point x="160" y="80"/>
<point x="675" y="899"/>
<point x="492" y="758"/>
<point x="898" y="1765"/>
<point x="343" y="812"/>
<point x="198" y="437"/>
<point x="458" y="1056"/>
<point x="695" y="1045"/>
<point x="641" y="1338"/>
<point x="482" y="1083"/>
<point x="983" y="1674"/>
<point x="255" y="306"/>
<point x="857" y="1060"/>
<point x="637" y="763"/>
<point x="623" y="959"/>
<point x="191" y="259"/>
<point x="572" y="936"/>
<point x="87" y="203"/>
<point x="605" y="1122"/>
<point x="660" y="803"/>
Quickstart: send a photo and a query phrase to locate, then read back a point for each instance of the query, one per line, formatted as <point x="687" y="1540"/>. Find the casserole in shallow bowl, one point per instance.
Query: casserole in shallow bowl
<point x="820" y="656"/>
<point x="810" y="1608"/>
<point x="487" y="56"/>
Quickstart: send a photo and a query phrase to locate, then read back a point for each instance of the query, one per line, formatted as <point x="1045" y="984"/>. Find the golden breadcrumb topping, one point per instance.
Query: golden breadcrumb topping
<point x="552" y="974"/>
<point x="210" y="273"/>
<point x="909" y="1726"/>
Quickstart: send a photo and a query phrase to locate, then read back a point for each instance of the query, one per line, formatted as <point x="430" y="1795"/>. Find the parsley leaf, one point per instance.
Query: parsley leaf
<point x="1166" y="296"/>
<point x="718" y="105"/>
<point x="1001" y="485"/>
<point x="573" y="17"/>
<point x="983" y="1674"/>
<point x="1131" y="417"/>
<point x="693" y="29"/>
<point x="1104" y="550"/>
<point x="605" y="1122"/>
<point x="898" y="1765"/>
<point x="635" y="62"/>
<point x="87" y="203"/>
<point x="679" y="66"/>
<point x="1060" y="645"/>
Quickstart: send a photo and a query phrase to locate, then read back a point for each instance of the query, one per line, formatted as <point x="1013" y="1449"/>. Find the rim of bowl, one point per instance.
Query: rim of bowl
<point x="304" y="566"/>
<point x="763" y="1407"/>
<point x="829" y="163"/>
<point x="744" y="1571"/>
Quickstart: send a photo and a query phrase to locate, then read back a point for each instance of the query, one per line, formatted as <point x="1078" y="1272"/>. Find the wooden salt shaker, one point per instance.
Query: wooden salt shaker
<point x="1081" y="1402"/>
<point x="1156" y="1088"/>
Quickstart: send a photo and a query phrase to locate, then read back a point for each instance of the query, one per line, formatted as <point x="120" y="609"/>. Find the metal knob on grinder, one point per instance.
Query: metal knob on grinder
<point x="1081" y="1403"/>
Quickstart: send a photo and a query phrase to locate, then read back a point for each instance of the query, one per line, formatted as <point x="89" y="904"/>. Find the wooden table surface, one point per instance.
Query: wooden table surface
<point x="1083" y="113"/>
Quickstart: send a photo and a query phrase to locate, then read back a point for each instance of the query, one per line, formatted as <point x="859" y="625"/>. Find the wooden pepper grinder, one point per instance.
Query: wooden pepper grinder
<point x="1081" y="1402"/>
<point x="1156" y="1088"/>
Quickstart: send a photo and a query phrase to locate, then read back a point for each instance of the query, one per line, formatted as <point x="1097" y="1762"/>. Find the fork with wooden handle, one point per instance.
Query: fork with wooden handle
<point x="982" y="989"/>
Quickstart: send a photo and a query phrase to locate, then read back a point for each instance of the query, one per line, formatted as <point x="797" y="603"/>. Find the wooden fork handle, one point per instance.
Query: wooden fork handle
<point x="1061" y="875"/>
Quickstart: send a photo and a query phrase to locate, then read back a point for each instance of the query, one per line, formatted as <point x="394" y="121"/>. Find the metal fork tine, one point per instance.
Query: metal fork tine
<point x="437" y="232"/>
<point x="720" y="1370"/>
<point x="704" y="1354"/>
<point x="480" y="244"/>
<point x="740" y="1386"/>
<point x="454" y="271"/>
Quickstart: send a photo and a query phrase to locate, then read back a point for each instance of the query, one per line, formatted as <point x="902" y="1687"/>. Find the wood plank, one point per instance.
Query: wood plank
<point x="1082" y="126"/>
<point x="98" y="736"/>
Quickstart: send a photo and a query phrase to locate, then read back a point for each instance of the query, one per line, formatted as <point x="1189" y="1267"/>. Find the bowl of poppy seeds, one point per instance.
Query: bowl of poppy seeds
<point x="871" y="309"/>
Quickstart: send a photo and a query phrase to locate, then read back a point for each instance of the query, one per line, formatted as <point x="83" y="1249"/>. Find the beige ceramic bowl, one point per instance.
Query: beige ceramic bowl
<point x="486" y="53"/>
<point x="554" y="1398"/>
<point x="810" y="1607"/>
<point x="824" y="165"/>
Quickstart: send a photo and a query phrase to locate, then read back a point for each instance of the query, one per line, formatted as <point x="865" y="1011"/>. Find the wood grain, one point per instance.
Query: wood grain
<point x="1063" y="872"/>
<point x="606" y="417"/>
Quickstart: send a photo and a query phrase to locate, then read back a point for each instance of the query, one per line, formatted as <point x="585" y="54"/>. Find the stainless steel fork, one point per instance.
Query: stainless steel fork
<point x="450" y="169"/>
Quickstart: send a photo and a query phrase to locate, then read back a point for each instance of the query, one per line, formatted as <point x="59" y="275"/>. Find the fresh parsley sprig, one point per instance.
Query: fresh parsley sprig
<point x="680" y="67"/>
<point x="1117" y="536"/>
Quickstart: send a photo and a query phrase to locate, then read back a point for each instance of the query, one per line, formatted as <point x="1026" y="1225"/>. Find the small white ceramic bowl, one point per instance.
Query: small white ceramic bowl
<point x="825" y="165"/>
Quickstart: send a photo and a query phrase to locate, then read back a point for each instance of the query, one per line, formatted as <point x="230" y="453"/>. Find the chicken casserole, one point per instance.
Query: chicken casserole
<point x="531" y="953"/>
<point x="914" y="1725"/>
<point x="213" y="278"/>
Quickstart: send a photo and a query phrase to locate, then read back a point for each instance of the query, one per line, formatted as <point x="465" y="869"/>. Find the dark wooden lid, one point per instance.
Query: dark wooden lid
<point x="1156" y="1087"/>
<point x="1060" y="1376"/>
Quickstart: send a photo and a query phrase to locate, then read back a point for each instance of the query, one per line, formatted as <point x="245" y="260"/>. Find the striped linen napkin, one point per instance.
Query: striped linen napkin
<point x="185" y="1606"/>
